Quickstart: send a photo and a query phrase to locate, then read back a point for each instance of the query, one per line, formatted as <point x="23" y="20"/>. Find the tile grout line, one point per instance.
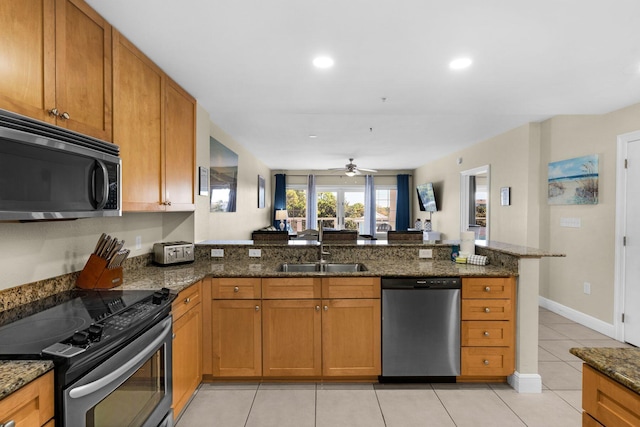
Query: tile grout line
<point x="507" y="405"/>
<point x="443" y="405"/>
<point x="384" y="420"/>
<point x="251" y="407"/>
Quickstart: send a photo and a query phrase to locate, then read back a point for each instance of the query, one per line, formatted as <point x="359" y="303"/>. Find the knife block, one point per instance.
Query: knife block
<point x="96" y="275"/>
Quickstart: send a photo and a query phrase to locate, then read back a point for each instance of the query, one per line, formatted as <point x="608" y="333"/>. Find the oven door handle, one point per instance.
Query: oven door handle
<point x="107" y="379"/>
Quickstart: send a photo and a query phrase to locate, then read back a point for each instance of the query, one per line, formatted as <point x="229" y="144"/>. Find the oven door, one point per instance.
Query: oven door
<point x="131" y="388"/>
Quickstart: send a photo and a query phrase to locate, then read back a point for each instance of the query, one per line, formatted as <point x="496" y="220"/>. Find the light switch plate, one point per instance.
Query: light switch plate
<point x="425" y="253"/>
<point x="255" y="253"/>
<point x="217" y="253"/>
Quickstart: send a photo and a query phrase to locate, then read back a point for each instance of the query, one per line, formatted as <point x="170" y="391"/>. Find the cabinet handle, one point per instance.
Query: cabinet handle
<point x="257" y="308"/>
<point x="317" y="308"/>
<point x="486" y="333"/>
<point x="54" y="113"/>
<point x="487" y="310"/>
<point x="486" y="362"/>
<point x="236" y="289"/>
<point x="487" y="289"/>
<point x="169" y="202"/>
<point x="187" y="300"/>
<point x="326" y="308"/>
<point x="10" y="423"/>
<point x="64" y="116"/>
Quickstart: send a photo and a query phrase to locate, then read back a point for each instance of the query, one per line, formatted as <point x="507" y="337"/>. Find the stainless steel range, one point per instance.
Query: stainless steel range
<point x="111" y="351"/>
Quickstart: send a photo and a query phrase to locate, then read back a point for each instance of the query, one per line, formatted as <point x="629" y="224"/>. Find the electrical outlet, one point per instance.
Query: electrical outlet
<point x="255" y="253"/>
<point x="138" y="242"/>
<point x="587" y="288"/>
<point x="425" y="253"/>
<point x="217" y="253"/>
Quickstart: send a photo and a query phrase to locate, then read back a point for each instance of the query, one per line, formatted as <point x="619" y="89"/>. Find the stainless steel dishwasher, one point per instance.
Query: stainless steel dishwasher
<point x="420" y="329"/>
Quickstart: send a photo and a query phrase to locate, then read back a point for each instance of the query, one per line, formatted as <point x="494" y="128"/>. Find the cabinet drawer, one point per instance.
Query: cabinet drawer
<point x="487" y="287"/>
<point x="486" y="309"/>
<point x="187" y="298"/>
<point x="32" y="405"/>
<point x="350" y="287"/>
<point x="475" y="333"/>
<point x="609" y="402"/>
<point x="487" y="361"/>
<point x="291" y="288"/>
<point x="235" y="288"/>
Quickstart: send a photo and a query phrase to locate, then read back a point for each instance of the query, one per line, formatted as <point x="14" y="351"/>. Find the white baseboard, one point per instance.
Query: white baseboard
<point x="578" y="317"/>
<point x="525" y="383"/>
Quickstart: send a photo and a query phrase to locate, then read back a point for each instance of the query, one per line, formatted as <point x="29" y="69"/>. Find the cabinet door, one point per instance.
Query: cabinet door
<point x="236" y="338"/>
<point x="351" y="337"/>
<point x="179" y="150"/>
<point x="137" y="116"/>
<point x="27" y="75"/>
<point x="83" y="69"/>
<point x="187" y="352"/>
<point x="292" y="339"/>
<point x="30" y="406"/>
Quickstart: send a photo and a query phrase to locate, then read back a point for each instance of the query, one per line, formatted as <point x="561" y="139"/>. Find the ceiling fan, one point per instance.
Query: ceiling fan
<point x="351" y="169"/>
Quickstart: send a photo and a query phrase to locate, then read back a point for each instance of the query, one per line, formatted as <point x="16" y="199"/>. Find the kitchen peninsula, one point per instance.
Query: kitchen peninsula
<point x="379" y="257"/>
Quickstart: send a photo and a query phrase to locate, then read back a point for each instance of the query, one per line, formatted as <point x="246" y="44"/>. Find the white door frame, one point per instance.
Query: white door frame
<point x="621" y="206"/>
<point x="464" y="195"/>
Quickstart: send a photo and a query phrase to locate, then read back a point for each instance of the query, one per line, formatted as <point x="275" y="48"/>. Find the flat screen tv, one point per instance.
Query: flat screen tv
<point x="427" y="198"/>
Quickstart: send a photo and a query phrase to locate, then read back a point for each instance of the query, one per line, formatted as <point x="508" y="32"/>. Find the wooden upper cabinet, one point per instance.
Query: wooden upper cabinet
<point x="138" y="110"/>
<point x="59" y="58"/>
<point x="179" y="148"/>
<point x="154" y="125"/>
<point x="83" y="69"/>
<point x="27" y="52"/>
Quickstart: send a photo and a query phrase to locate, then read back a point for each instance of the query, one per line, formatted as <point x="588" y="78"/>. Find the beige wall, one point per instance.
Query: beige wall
<point x="239" y="224"/>
<point x="508" y="155"/>
<point x="41" y="250"/>
<point x="519" y="159"/>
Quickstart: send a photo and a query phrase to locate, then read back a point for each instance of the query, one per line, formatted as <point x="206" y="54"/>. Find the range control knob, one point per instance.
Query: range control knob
<point x="95" y="332"/>
<point x="157" y="298"/>
<point x="80" y="338"/>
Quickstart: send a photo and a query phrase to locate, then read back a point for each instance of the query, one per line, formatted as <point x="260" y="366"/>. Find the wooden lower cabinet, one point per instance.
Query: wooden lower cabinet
<point x="236" y="338"/>
<point x="30" y="406"/>
<point x="292" y="338"/>
<point x="607" y="402"/>
<point x="351" y="334"/>
<point x="487" y="327"/>
<point x="187" y="346"/>
<point x="295" y="327"/>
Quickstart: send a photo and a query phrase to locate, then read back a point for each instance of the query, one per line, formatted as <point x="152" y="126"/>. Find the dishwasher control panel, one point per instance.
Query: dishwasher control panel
<point x="421" y="282"/>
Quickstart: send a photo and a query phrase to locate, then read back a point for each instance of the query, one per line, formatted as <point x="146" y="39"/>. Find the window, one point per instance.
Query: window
<point x="342" y="207"/>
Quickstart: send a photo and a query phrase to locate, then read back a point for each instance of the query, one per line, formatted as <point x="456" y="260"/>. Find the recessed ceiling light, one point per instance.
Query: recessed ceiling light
<point x="313" y="136"/>
<point x="323" y="62"/>
<point x="460" y="63"/>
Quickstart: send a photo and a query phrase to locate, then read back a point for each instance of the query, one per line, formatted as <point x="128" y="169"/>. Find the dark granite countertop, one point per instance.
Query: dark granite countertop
<point x="619" y="364"/>
<point x="18" y="373"/>
<point x="182" y="276"/>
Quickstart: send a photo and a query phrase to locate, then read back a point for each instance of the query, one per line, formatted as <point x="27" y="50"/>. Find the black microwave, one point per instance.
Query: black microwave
<point x="48" y="173"/>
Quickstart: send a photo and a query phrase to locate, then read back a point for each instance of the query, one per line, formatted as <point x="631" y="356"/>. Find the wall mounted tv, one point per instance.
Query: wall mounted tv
<point x="427" y="198"/>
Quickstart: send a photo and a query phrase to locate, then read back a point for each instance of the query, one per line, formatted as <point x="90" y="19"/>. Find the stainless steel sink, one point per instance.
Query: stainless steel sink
<point x="325" y="267"/>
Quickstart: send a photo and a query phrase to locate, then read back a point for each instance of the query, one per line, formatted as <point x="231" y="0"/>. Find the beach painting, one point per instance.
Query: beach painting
<point x="574" y="181"/>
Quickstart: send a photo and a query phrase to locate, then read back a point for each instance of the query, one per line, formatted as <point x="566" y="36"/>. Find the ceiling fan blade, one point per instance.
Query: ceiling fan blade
<point x="367" y="170"/>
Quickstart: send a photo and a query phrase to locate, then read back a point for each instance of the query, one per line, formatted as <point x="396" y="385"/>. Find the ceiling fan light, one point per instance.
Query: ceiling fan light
<point x="350" y="173"/>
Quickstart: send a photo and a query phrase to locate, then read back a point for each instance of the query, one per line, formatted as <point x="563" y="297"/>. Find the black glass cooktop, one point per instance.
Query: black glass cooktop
<point x="26" y="330"/>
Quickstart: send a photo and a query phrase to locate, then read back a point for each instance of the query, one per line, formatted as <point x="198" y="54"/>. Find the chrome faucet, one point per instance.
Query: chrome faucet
<point x="321" y="240"/>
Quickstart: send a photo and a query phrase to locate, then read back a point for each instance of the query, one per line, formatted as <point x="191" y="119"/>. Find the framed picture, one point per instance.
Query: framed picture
<point x="260" y="192"/>
<point x="203" y="173"/>
<point x="574" y="181"/>
<point x="505" y="196"/>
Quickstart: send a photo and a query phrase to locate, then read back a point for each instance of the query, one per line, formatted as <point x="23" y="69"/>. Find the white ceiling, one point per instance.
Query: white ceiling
<point x="248" y="62"/>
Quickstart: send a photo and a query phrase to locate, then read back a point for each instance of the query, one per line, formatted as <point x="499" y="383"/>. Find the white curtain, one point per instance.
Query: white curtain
<point x="369" y="206"/>
<point x="312" y="204"/>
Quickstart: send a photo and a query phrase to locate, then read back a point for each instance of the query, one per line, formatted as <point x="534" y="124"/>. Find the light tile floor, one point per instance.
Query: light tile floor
<point x="380" y="405"/>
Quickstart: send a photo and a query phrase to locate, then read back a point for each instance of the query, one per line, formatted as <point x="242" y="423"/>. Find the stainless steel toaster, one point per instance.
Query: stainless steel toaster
<point x="168" y="253"/>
